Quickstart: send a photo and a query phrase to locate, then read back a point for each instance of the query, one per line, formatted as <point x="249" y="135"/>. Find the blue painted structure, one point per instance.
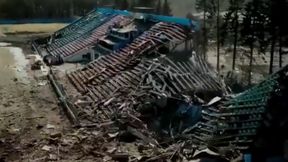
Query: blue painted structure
<point x="112" y="11"/>
<point x="182" y="21"/>
<point x="147" y="17"/>
<point x="155" y="18"/>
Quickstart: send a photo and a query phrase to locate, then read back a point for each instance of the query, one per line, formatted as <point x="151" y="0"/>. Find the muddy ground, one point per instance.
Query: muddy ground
<point x="33" y="126"/>
<point x="29" y="112"/>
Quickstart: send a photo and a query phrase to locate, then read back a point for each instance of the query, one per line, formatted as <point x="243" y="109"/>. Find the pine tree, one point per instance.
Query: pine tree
<point x="273" y="34"/>
<point x="209" y="9"/>
<point x="166" y="8"/>
<point x="283" y="26"/>
<point x="231" y="25"/>
<point x="146" y="3"/>
<point x="218" y="35"/>
<point x="121" y="4"/>
<point x="254" y="29"/>
<point x="277" y="28"/>
<point x="159" y="7"/>
<point x="132" y="5"/>
<point x="201" y="6"/>
<point x="124" y="5"/>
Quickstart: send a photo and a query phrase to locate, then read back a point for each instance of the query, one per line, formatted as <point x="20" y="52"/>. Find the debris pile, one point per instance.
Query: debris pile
<point x="134" y="103"/>
<point x="136" y="96"/>
<point x="154" y="78"/>
<point x="162" y="111"/>
<point x="156" y="107"/>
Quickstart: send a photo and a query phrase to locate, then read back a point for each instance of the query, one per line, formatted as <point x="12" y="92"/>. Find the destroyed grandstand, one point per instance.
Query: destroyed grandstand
<point x="104" y="31"/>
<point x="129" y="82"/>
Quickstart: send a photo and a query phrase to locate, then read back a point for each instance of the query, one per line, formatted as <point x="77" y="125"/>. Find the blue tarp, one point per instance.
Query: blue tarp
<point x="176" y="115"/>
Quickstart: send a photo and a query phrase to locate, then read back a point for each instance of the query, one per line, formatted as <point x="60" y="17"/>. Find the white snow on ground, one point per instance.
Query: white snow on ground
<point x="20" y="62"/>
<point x="17" y="63"/>
<point x="2" y="34"/>
<point x="3" y="44"/>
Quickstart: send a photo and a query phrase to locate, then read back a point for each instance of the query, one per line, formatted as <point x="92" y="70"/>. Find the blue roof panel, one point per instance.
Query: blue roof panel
<point x="156" y="18"/>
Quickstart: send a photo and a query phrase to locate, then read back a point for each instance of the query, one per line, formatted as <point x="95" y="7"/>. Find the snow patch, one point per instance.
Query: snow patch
<point x="3" y="44"/>
<point x="20" y="62"/>
<point x="19" y="56"/>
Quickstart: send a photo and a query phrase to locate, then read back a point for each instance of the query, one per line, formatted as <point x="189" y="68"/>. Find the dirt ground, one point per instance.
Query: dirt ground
<point x="33" y="127"/>
<point x="29" y="112"/>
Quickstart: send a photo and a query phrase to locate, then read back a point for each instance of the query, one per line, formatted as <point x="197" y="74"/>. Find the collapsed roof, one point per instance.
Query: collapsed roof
<point x="139" y="77"/>
<point x="108" y="66"/>
<point x="81" y="34"/>
<point x="132" y="68"/>
<point x="96" y="25"/>
<point x="160" y="76"/>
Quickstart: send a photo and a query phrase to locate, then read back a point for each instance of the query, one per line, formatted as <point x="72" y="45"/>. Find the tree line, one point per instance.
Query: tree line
<point x="255" y="24"/>
<point x="19" y="9"/>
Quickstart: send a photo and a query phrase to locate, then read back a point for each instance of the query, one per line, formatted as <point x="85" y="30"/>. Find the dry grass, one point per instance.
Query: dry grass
<point x="30" y="28"/>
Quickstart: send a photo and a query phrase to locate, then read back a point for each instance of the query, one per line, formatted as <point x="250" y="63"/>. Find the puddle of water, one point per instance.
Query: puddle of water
<point x="12" y="65"/>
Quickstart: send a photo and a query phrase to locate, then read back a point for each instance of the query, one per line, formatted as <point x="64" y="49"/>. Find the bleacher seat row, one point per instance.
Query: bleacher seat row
<point x="74" y="45"/>
<point x="120" y="60"/>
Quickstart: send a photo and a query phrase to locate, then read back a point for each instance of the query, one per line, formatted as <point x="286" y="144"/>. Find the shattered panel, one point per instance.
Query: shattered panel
<point x="236" y="121"/>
